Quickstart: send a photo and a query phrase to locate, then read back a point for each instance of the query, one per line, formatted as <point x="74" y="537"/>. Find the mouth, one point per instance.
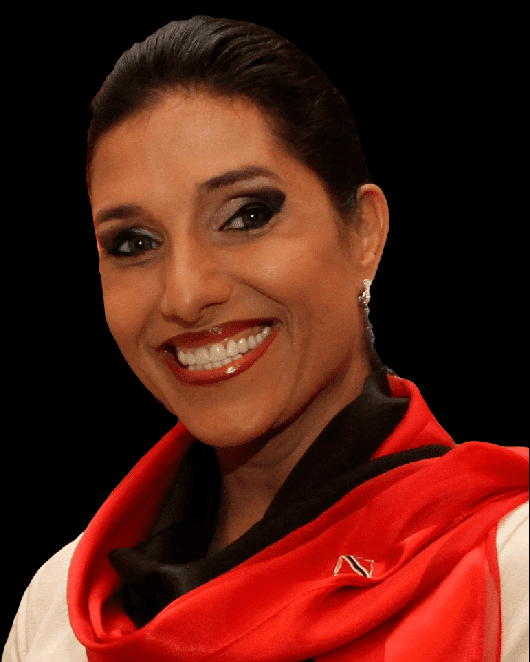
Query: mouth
<point x="218" y="360"/>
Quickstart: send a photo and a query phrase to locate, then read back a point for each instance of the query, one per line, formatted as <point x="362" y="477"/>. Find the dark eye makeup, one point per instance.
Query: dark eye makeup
<point x="250" y="218"/>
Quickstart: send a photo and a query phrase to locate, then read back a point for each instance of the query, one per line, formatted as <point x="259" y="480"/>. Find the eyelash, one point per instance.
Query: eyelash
<point x="274" y="205"/>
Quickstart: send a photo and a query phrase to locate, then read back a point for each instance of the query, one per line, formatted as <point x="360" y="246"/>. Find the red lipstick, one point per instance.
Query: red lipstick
<point x="203" y="377"/>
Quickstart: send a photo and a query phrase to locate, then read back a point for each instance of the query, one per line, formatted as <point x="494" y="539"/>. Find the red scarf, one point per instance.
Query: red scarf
<point x="403" y="568"/>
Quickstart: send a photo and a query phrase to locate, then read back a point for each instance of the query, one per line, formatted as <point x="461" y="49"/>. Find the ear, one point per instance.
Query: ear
<point x="371" y="227"/>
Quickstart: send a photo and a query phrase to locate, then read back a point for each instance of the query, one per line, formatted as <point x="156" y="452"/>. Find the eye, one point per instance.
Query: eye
<point x="138" y="240"/>
<point x="257" y="213"/>
<point x="251" y="216"/>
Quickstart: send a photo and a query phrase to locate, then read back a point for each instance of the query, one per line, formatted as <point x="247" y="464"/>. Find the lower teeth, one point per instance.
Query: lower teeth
<point x="216" y="364"/>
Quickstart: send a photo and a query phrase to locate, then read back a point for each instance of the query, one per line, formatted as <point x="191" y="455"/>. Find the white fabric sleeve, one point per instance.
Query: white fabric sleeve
<point x="512" y="551"/>
<point x="41" y="630"/>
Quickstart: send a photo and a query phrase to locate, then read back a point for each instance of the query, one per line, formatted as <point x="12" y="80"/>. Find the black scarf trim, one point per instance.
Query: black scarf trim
<point x="173" y="560"/>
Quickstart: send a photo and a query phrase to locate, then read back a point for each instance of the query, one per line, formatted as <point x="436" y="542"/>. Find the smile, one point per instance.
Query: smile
<point x="198" y="367"/>
<point x="221" y="354"/>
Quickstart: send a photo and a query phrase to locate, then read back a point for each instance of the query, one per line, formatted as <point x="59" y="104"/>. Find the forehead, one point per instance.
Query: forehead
<point x="186" y="139"/>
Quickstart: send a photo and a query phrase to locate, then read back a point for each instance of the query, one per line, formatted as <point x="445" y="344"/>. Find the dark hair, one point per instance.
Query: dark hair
<point x="232" y="59"/>
<point x="229" y="58"/>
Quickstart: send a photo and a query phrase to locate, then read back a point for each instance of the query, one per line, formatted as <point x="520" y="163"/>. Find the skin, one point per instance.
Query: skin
<point x="303" y="268"/>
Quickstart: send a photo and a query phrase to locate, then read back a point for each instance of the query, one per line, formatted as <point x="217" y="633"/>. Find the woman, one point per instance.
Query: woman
<point x="307" y="505"/>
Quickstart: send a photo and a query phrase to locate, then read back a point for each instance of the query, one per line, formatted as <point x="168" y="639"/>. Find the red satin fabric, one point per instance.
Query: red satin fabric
<point x="426" y="530"/>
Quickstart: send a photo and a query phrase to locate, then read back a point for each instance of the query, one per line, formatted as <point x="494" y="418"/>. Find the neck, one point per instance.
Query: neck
<point x="252" y="474"/>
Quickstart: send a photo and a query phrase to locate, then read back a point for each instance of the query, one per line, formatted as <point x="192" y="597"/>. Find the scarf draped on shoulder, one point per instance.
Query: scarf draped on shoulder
<point x="379" y="547"/>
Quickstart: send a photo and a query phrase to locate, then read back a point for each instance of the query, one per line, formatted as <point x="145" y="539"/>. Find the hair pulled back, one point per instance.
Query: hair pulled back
<point x="231" y="58"/>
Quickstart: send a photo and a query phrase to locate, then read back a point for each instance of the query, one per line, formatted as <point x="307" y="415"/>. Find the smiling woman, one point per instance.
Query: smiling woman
<point x="283" y="266"/>
<point x="307" y="505"/>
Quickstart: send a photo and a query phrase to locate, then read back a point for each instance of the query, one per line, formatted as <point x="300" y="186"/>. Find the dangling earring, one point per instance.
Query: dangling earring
<point x="364" y="299"/>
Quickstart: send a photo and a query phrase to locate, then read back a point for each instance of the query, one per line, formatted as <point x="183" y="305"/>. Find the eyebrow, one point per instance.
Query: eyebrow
<point x="219" y="181"/>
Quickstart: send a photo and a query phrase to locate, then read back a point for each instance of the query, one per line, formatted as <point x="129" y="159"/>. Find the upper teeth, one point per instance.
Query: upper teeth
<point x="217" y="353"/>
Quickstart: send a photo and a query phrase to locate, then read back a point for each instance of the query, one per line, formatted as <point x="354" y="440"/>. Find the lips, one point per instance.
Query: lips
<point x="186" y="341"/>
<point x="205" y="377"/>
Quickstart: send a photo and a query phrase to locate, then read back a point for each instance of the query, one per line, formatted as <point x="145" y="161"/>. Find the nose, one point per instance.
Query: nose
<point x="195" y="280"/>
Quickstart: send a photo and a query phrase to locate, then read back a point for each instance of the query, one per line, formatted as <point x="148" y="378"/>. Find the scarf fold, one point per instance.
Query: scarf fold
<point x="401" y="567"/>
<point x="174" y="560"/>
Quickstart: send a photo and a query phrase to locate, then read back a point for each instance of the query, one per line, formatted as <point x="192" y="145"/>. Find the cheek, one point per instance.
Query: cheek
<point x="289" y="265"/>
<point x="309" y="272"/>
<point x="126" y="307"/>
<point x="315" y="282"/>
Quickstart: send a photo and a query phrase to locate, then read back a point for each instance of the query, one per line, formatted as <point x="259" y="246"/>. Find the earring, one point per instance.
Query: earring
<point x="364" y="299"/>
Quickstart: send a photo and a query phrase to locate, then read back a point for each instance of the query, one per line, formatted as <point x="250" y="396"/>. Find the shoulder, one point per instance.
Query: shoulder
<point x="513" y="556"/>
<point x="513" y="546"/>
<point x="41" y="628"/>
<point x="55" y="570"/>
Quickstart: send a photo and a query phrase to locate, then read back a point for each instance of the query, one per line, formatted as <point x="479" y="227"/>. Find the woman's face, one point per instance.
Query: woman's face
<point x="195" y="261"/>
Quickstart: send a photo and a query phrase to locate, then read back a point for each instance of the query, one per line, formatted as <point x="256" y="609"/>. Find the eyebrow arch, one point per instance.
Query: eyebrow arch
<point x="219" y="181"/>
<point x="232" y="176"/>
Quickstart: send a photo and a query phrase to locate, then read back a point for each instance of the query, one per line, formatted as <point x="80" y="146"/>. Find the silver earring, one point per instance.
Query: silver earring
<point x="364" y="299"/>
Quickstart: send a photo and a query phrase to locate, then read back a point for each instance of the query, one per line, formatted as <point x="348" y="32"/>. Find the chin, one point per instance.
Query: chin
<point x="231" y="433"/>
<point x="229" y="437"/>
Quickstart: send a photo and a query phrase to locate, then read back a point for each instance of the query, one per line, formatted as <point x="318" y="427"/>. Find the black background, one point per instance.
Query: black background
<point x="436" y="101"/>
